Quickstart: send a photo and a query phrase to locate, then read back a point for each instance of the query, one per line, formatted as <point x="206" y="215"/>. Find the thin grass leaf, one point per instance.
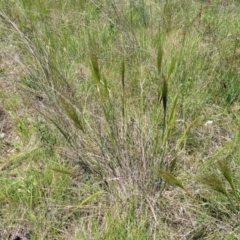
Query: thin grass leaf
<point x="72" y="113"/>
<point x="159" y="59"/>
<point x="239" y="133"/>
<point x="171" y="68"/>
<point x="65" y="134"/>
<point x="171" y="119"/>
<point x="81" y="204"/>
<point x="225" y="147"/>
<point x="173" y="164"/>
<point x="63" y="171"/>
<point x="95" y="68"/>
<point x="123" y="73"/>
<point x="165" y="94"/>
<point x="194" y="123"/>
<point x="123" y="90"/>
<point x="159" y="67"/>
<point x="171" y="179"/>
<point x="212" y="181"/>
<point x="227" y="173"/>
<point x="164" y="99"/>
<point x="173" y="110"/>
<point x="18" y="157"/>
<point x="88" y="199"/>
<point x="106" y="89"/>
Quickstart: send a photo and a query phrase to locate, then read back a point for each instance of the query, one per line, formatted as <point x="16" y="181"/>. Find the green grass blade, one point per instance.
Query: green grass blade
<point x="159" y="59"/>
<point x="227" y="146"/>
<point x="164" y="99"/>
<point x="72" y="114"/>
<point x="165" y="95"/>
<point x="173" y="164"/>
<point x="60" y="129"/>
<point x="212" y="181"/>
<point x="194" y="123"/>
<point x="95" y="68"/>
<point x="171" y="119"/>
<point x="227" y="173"/>
<point x="80" y="205"/>
<point x="171" y="68"/>
<point x="171" y="179"/>
<point x="123" y="90"/>
<point x="88" y="199"/>
<point x="63" y="171"/>
<point x="159" y="68"/>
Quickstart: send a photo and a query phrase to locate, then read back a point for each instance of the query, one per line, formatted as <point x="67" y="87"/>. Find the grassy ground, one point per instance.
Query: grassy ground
<point x="119" y="119"/>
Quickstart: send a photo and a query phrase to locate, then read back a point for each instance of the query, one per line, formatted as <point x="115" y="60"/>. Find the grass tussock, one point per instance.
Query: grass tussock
<point x="118" y="119"/>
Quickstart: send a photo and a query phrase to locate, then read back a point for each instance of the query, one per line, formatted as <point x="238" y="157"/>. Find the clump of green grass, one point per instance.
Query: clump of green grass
<point x="122" y="90"/>
<point x="102" y="136"/>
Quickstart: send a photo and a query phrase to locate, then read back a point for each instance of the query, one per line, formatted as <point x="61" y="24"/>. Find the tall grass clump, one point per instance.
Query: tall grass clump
<point x="111" y="139"/>
<point x="138" y="95"/>
<point x="120" y="143"/>
<point x="117" y="142"/>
